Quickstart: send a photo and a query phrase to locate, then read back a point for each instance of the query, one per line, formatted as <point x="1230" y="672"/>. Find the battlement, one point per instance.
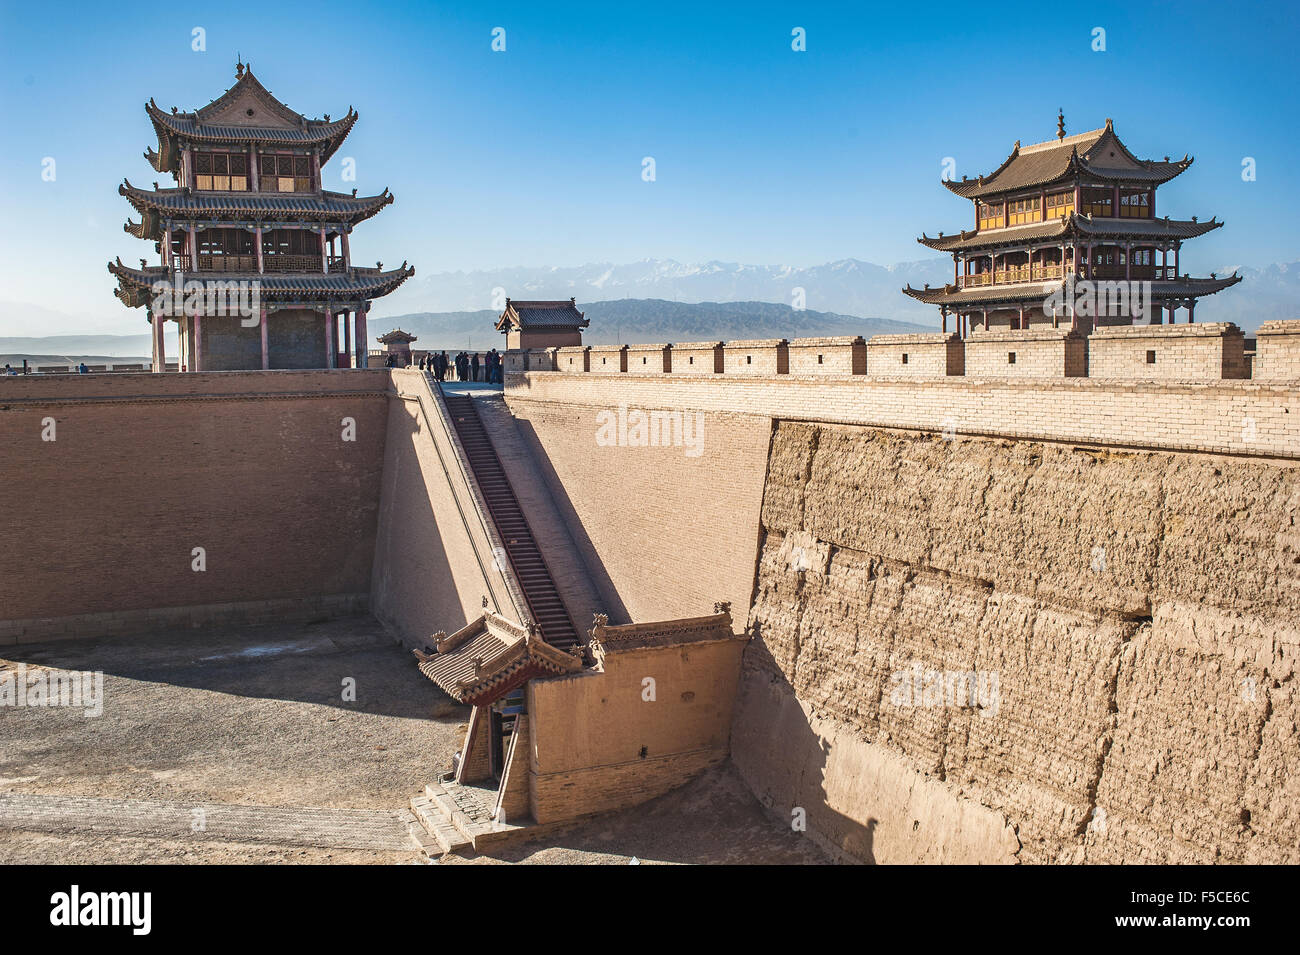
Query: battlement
<point x="1184" y="353"/>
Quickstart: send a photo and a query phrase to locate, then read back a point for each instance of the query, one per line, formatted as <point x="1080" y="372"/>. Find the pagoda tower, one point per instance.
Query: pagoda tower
<point x="256" y="264"/>
<point x="1054" y="214"/>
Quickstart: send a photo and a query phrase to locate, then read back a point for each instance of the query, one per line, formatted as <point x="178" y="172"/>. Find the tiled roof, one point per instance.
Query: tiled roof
<point x="1088" y="153"/>
<point x="156" y="205"/>
<point x="541" y="314"/>
<point x="663" y="633"/>
<point x="491" y="656"/>
<point x="135" y="286"/>
<point x="952" y="296"/>
<point x="292" y="129"/>
<point x="1155" y="229"/>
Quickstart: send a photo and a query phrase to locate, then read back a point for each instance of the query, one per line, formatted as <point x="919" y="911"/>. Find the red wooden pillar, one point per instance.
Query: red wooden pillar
<point x="194" y="248"/>
<point x="324" y="254"/>
<point x="261" y="265"/>
<point x="198" y="344"/>
<point x="331" y="346"/>
<point x="363" y="348"/>
<point x="266" y="352"/>
<point x="347" y="253"/>
<point x="253" y="171"/>
<point x="347" y="340"/>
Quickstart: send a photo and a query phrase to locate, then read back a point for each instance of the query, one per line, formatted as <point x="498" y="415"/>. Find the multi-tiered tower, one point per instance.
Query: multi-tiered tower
<point x="1076" y="208"/>
<point x="250" y="221"/>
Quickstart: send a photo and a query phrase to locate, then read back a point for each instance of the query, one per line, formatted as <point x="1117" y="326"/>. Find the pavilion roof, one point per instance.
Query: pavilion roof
<point x="1097" y="154"/>
<point x="489" y="657"/>
<point x="135" y="286"/>
<point x="1072" y="225"/>
<point x="157" y="205"/>
<point x="396" y="335"/>
<point x="528" y="316"/>
<point x="952" y="296"/>
<point x="245" y="113"/>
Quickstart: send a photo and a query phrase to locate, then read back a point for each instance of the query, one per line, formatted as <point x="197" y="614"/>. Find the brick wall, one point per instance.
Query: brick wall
<point x="760" y="357"/>
<point x="649" y="359"/>
<point x="1036" y="353"/>
<point x="433" y="559"/>
<point x="599" y="745"/>
<point x="250" y="466"/>
<point x="915" y="356"/>
<point x="1240" y="417"/>
<point x="573" y="359"/>
<point x="669" y="532"/>
<point x="1205" y="352"/>
<point x="697" y="358"/>
<point x="1277" y="355"/>
<point x="845" y="355"/>
<point x="608" y="359"/>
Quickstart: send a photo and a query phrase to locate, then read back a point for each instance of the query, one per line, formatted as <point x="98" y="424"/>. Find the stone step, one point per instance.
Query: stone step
<point x="435" y="822"/>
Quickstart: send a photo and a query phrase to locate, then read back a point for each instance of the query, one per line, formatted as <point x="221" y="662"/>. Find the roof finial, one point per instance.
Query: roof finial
<point x="239" y="66"/>
<point x="1060" y="124"/>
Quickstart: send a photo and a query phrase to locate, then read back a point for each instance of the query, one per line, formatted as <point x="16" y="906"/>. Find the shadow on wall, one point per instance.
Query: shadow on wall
<point x="784" y="761"/>
<point x="413" y="590"/>
<point x="616" y="609"/>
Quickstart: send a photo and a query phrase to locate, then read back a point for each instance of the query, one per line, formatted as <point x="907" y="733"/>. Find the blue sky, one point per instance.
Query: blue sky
<point x="533" y="156"/>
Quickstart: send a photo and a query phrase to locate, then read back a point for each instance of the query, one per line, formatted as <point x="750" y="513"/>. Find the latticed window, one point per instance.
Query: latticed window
<point x="1097" y="202"/>
<point x="990" y="215"/>
<point x="224" y="172"/>
<point x="285" y="173"/>
<point x="1020" y="211"/>
<point x="1060" y="205"/>
<point x="1134" y="204"/>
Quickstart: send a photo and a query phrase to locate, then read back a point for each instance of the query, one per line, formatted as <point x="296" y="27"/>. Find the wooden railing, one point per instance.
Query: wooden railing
<point x="248" y="263"/>
<point x="1020" y="273"/>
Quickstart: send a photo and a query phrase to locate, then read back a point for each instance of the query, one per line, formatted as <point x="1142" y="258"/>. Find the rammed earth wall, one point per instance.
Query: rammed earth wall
<point x="1123" y="596"/>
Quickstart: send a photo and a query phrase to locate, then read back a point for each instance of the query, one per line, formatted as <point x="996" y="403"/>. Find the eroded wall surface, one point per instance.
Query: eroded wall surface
<point x="1130" y="619"/>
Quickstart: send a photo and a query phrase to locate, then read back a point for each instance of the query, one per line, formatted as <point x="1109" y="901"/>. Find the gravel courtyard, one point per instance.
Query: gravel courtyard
<point x="247" y="746"/>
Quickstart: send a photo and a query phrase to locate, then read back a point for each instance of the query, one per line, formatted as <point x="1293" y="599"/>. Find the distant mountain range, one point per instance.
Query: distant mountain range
<point x="849" y="287"/>
<point x="846" y="287"/>
<point x="652" y="320"/>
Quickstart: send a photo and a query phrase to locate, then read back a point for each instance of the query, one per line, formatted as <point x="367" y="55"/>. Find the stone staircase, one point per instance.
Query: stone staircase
<point x="459" y="818"/>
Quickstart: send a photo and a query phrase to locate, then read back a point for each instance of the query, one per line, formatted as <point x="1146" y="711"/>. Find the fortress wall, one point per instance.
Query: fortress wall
<point x="697" y="358"/>
<point x="761" y="357"/>
<point x="1039" y="353"/>
<point x="842" y="355"/>
<point x="1235" y="417"/>
<point x="648" y="359"/>
<point x="1277" y="356"/>
<point x="1200" y="352"/>
<point x="916" y="356"/>
<point x="433" y="561"/>
<point x="670" y="531"/>
<point x="1137" y="609"/>
<point x="250" y="466"/>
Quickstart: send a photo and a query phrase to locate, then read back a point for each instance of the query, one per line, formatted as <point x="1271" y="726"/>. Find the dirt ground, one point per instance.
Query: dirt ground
<point x="253" y="728"/>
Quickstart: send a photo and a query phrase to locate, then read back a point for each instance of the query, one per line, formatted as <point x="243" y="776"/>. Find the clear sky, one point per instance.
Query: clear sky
<point x="533" y="156"/>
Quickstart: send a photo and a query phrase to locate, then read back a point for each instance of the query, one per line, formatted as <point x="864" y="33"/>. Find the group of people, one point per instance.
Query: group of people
<point x="468" y="367"/>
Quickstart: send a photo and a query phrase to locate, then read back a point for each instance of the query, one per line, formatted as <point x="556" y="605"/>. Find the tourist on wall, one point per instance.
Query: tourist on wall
<point x="474" y="363"/>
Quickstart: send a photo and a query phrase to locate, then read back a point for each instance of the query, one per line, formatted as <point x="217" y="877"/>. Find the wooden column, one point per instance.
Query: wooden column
<point x="363" y="357"/>
<point x="253" y="171"/>
<point x="331" y="346"/>
<point x="266" y="353"/>
<point x="943" y="313"/>
<point x="1022" y="316"/>
<point x="198" y="344"/>
<point x="167" y="247"/>
<point x="347" y="252"/>
<point x="315" y="169"/>
<point x="194" y="248"/>
<point x="347" y="339"/>
<point x="324" y="253"/>
<point x="1128" y="260"/>
<point x="159" y="328"/>
<point x="1177" y="246"/>
<point x="1191" y="311"/>
<point x="261" y="265"/>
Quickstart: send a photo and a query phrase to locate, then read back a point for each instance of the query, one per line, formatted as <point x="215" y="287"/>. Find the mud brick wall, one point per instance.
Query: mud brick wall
<point x="844" y="355"/>
<point x="697" y="358"/>
<point x="927" y="355"/>
<point x="1142" y="629"/>
<point x="250" y="466"/>
<point x="573" y="359"/>
<point x="761" y="358"/>
<point x="649" y="359"/>
<point x="1277" y="355"/>
<point x="1042" y="353"/>
<point x="600" y="745"/>
<point x="1205" y="352"/>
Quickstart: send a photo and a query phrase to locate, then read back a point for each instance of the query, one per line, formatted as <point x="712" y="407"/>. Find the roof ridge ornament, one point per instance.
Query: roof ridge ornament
<point x="239" y="67"/>
<point x="1060" y="123"/>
